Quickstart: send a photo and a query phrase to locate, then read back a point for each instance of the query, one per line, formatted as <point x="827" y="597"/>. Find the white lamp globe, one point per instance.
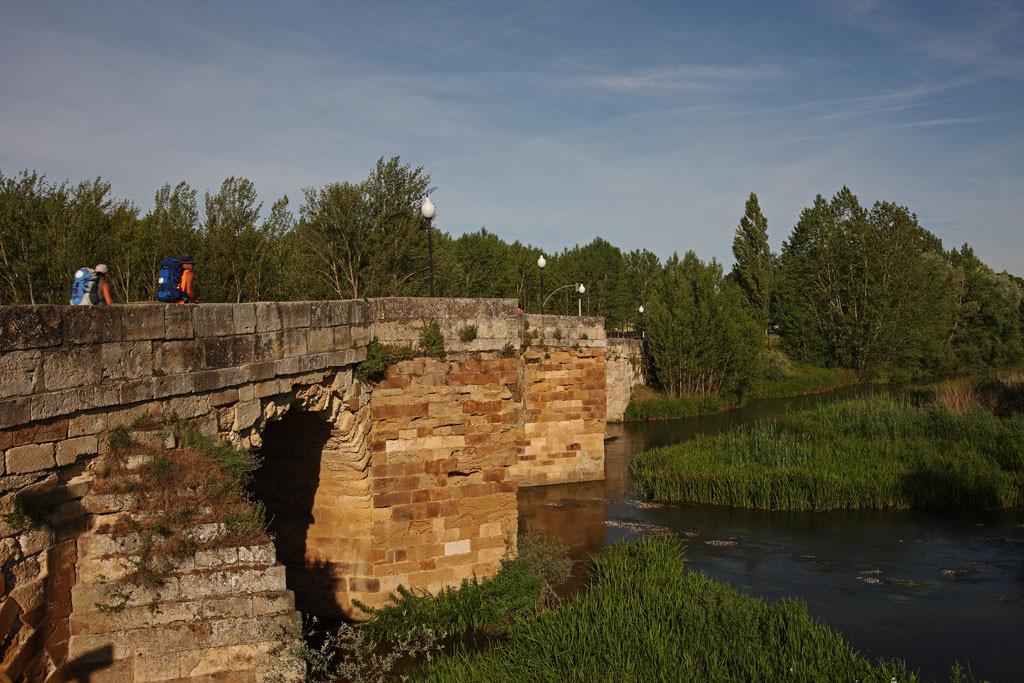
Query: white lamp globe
<point x="541" y="262"/>
<point x="641" y="309"/>
<point x="582" y="289"/>
<point x="427" y="209"/>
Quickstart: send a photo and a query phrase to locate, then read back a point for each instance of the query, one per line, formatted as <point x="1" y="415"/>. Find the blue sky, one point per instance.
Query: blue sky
<point x="549" y="122"/>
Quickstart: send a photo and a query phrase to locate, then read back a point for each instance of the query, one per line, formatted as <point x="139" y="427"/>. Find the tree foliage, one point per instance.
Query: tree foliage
<point x="366" y="239"/>
<point x="702" y="339"/>
<point x="856" y="288"/>
<point x="754" y="270"/>
<point x="862" y="289"/>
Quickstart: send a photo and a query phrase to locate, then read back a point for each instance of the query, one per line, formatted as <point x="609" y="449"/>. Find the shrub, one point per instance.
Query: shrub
<point x="431" y="340"/>
<point x="467" y="334"/>
<point x="379" y="357"/>
<point x="345" y="653"/>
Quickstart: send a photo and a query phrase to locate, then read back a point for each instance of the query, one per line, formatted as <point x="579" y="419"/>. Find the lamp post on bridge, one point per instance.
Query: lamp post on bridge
<point x="641" y="309"/>
<point x="578" y="287"/>
<point x="427" y="211"/>
<point x="540" y="264"/>
<point x="581" y="289"/>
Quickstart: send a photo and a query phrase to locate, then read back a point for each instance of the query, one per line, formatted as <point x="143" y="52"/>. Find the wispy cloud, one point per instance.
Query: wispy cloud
<point x="931" y="123"/>
<point x="687" y="77"/>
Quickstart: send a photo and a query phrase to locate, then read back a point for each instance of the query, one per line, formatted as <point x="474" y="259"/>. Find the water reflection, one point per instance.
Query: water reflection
<point x="927" y="588"/>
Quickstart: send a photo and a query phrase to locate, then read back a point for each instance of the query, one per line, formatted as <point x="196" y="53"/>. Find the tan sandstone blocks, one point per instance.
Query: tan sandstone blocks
<point x="562" y="439"/>
<point x="443" y="434"/>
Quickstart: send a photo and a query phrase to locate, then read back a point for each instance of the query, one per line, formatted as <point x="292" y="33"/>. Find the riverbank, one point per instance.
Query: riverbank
<point x="643" y="617"/>
<point x="871" y="453"/>
<point x="648" y="403"/>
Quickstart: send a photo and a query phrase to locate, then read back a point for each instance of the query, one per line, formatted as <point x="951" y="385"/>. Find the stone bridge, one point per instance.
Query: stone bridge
<point x="410" y="481"/>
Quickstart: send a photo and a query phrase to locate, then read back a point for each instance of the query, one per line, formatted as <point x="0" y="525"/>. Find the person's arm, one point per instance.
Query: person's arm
<point x="106" y="293"/>
<point x="186" y="286"/>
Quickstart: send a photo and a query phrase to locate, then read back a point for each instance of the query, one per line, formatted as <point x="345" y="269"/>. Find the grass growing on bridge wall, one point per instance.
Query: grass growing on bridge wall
<point x="381" y="356"/>
<point x="644" y="618"/>
<point x="865" y="453"/>
<point x="173" y="493"/>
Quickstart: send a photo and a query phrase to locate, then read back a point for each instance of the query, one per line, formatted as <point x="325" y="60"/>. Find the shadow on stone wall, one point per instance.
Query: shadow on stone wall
<point x="287" y="483"/>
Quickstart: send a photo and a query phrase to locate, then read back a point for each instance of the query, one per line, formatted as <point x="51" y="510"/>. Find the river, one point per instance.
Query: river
<point x="924" y="587"/>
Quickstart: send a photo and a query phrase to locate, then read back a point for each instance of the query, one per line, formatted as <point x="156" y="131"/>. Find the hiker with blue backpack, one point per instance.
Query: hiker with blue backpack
<point x="89" y="284"/>
<point x="176" y="280"/>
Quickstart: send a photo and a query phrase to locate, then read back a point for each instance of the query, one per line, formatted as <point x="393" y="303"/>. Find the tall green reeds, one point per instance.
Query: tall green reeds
<point x="670" y="408"/>
<point x="875" y="453"/>
<point x="646" y="619"/>
<point x="800" y="380"/>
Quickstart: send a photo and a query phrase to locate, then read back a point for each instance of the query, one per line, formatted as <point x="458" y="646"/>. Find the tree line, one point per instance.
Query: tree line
<point x="347" y="240"/>
<point x="867" y="289"/>
<point x="863" y="289"/>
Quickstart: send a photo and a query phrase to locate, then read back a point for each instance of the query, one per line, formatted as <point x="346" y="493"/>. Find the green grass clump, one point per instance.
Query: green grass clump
<point x="431" y="340"/>
<point x="379" y="357"/>
<point x="646" y="619"/>
<point x="672" y="408"/>
<point x="800" y="380"/>
<point x="878" y="453"/>
<point x="522" y="588"/>
<point x="24" y="514"/>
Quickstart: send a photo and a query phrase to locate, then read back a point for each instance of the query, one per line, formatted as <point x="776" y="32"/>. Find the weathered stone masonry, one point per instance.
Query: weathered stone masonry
<point x="416" y="482"/>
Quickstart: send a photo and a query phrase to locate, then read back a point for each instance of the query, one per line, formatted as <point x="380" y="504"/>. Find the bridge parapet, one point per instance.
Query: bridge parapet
<point x="60" y="360"/>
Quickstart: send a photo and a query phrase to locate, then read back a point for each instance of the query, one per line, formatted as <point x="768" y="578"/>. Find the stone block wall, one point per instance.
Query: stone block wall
<point x="38" y="556"/>
<point x="563" y="390"/>
<point x="624" y="370"/>
<point x="495" y="324"/>
<point x="443" y="436"/>
<point x="70" y="375"/>
<point x="315" y="481"/>
<point x="216" y="616"/>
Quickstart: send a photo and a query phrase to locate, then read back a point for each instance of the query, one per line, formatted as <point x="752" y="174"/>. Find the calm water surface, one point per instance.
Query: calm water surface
<point x="927" y="588"/>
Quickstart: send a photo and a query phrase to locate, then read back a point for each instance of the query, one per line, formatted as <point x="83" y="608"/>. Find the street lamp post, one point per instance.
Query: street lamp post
<point x="641" y="309"/>
<point x="540" y="264"/>
<point x="581" y="289"/>
<point x="427" y="210"/>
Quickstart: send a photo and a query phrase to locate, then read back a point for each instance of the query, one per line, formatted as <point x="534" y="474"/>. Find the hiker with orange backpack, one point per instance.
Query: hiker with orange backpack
<point x="176" y="281"/>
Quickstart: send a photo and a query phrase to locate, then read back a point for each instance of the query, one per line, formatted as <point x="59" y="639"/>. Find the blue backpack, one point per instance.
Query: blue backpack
<point x="168" y="281"/>
<point x="83" y="288"/>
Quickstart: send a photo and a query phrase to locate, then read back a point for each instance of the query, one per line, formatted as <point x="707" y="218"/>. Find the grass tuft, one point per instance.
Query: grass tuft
<point x="522" y="588"/>
<point x="173" y="493"/>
